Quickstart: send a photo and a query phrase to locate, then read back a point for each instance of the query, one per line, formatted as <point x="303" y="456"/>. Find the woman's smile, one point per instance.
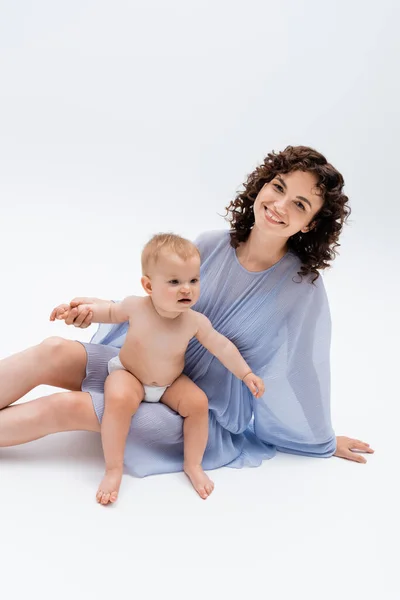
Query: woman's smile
<point x="272" y="217"/>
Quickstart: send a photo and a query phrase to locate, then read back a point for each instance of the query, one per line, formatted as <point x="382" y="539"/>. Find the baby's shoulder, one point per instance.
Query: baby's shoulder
<point x="133" y="304"/>
<point x="197" y="319"/>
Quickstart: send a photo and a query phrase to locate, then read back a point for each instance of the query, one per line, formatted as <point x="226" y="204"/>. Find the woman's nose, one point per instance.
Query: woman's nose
<point x="281" y="205"/>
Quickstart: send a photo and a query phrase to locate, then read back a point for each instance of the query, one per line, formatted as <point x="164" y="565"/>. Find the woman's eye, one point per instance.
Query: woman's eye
<point x="278" y="187"/>
<point x="300" y="205"/>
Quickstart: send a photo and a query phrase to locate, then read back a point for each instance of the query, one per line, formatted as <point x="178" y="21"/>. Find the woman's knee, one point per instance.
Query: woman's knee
<point x="72" y="411"/>
<point x="63" y="362"/>
<point x="54" y="348"/>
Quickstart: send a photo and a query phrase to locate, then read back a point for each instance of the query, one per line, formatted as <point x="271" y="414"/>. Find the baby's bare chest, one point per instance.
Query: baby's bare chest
<point x="155" y="336"/>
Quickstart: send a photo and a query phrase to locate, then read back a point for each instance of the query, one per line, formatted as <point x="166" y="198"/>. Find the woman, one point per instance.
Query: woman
<point x="261" y="288"/>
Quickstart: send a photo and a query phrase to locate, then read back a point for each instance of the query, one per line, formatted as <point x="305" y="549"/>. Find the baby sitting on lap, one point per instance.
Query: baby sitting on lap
<point x="150" y="363"/>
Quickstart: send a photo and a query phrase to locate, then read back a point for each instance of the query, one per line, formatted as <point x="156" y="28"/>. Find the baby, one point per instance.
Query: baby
<point x="150" y="362"/>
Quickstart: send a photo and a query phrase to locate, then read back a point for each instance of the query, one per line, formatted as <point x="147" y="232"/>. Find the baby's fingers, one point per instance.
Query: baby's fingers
<point x="81" y="300"/>
<point x="257" y="387"/>
<point x="261" y="388"/>
<point x="83" y="316"/>
<point x="252" y="387"/>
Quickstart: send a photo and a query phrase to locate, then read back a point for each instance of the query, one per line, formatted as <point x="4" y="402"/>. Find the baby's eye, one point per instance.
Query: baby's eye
<point x="173" y="282"/>
<point x="194" y="281"/>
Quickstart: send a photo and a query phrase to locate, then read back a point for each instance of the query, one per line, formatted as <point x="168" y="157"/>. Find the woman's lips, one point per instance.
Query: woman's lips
<point x="272" y="217"/>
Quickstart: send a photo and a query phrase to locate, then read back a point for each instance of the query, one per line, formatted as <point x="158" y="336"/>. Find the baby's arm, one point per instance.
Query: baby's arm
<point x="228" y="354"/>
<point x="110" y="312"/>
<point x="103" y="311"/>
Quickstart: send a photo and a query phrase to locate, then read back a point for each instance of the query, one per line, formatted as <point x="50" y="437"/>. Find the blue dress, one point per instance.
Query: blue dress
<point x="281" y="327"/>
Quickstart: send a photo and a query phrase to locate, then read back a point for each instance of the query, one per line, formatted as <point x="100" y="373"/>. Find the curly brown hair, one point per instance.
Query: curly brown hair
<point x="317" y="248"/>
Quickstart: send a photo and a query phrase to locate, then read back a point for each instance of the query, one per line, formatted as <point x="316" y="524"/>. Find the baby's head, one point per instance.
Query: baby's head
<point x="171" y="272"/>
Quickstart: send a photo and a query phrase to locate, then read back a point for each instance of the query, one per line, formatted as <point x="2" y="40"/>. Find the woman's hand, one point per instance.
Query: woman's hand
<point x="349" y="448"/>
<point x="78" y="315"/>
<point x="60" y="312"/>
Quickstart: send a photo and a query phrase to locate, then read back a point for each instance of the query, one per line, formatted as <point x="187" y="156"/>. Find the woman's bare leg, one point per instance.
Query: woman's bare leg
<point x="57" y="362"/>
<point x="65" y="411"/>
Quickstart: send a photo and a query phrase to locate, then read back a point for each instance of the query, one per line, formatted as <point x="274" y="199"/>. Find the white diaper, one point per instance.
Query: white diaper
<point x="152" y="393"/>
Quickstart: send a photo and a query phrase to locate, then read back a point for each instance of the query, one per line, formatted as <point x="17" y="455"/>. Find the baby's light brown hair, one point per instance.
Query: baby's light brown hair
<point x="169" y="243"/>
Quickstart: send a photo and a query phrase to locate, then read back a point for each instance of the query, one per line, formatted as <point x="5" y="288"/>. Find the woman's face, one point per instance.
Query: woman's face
<point x="287" y="204"/>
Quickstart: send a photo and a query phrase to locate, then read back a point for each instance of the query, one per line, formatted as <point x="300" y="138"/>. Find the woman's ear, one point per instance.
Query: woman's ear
<point x="146" y="284"/>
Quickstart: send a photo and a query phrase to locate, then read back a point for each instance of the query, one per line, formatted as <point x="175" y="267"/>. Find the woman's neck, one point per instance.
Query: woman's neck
<point x="259" y="252"/>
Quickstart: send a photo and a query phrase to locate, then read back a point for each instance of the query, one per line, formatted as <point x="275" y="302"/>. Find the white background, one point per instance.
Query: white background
<point x="120" y="119"/>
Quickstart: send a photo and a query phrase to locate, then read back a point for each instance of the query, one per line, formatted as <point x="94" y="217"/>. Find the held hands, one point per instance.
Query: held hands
<point x="255" y="384"/>
<point x="77" y="312"/>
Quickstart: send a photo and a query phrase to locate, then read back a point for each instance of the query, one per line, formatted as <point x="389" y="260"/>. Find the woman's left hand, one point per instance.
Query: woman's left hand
<point x="349" y="448"/>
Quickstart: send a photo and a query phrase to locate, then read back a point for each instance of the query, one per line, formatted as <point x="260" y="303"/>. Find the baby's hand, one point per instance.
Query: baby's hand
<point x="255" y="384"/>
<point x="60" y="312"/>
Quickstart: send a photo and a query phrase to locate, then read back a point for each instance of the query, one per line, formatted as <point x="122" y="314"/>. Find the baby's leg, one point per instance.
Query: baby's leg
<point x="187" y="399"/>
<point x="122" y="395"/>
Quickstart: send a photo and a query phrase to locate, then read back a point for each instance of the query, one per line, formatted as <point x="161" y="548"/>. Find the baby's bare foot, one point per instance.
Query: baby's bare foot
<point x="200" y="481"/>
<point x="109" y="487"/>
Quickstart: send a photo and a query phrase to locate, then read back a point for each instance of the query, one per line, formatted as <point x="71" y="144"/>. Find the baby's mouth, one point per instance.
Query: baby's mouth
<point x="185" y="300"/>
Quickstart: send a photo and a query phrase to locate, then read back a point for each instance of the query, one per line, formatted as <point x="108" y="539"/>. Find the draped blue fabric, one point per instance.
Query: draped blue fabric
<point x="281" y="325"/>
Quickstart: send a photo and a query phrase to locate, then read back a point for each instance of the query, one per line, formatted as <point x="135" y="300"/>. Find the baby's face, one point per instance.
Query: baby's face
<point x="176" y="282"/>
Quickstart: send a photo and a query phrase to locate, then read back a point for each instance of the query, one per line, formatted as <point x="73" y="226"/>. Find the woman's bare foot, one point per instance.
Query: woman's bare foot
<point x="109" y="487"/>
<point x="200" y="481"/>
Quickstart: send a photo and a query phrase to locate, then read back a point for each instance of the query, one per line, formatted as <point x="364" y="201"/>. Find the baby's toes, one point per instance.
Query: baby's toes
<point x="99" y="495"/>
<point x="202" y="492"/>
<point x="114" y="496"/>
<point x="209" y="488"/>
<point x="105" y="499"/>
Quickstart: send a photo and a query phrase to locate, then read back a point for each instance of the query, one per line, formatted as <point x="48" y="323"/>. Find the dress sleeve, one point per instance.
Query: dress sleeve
<point x="294" y="413"/>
